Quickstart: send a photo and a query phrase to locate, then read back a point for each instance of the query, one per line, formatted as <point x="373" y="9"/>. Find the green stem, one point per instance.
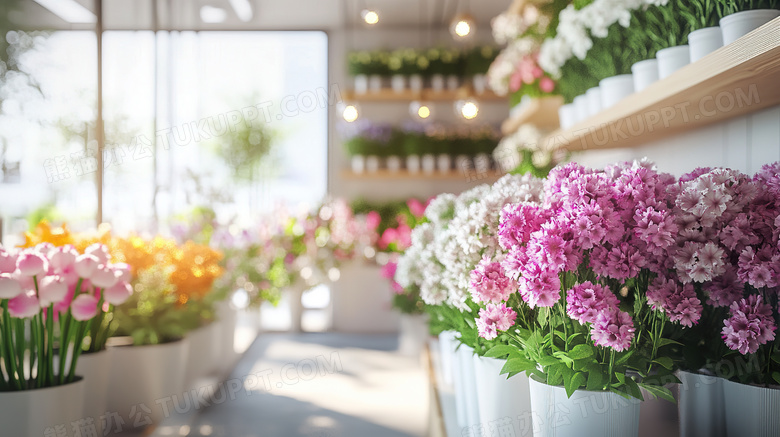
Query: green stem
<point x="80" y="331"/>
<point x="9" y="362"/>
<point x="611" y="363"/>
<point x="50" y="345"/>
<point x="20" y="348"/>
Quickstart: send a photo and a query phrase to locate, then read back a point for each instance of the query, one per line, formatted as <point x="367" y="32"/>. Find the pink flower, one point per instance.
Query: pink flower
<point x="24" y="306"/>
<point x="373" y="219"/>
<point x="63" y="257"/>
<point x="86" y="265"/>
<point x="100" y="251"/>
<point x="587" y="300"/>
<point x="7" y="260"/>
<point x="9" y="287"/>
<point x="51" y="290"/>
<point x="31" y="263"/>
<point x="751" y="325"/>
<point x="84" y="307"/>
<point x="104" y="276"/>
<point x="118" y="294"/>
<point x="494" y="318"/>
<point x="123" y="272"/>
<point x="416" y="207"/>
<point x="613" y="328"/>
<point x="678" y="302"/>
<point x="546" y="85"/>
<point x="489" y="283"/>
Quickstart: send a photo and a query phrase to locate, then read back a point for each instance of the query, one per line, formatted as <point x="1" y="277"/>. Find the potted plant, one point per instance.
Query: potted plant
<point x="49" y="295"/>
<point x="740" y="18"/>
<point x="477" y="63"/>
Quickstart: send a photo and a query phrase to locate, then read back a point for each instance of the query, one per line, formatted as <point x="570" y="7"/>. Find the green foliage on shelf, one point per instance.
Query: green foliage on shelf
<point x="425" y="62"/>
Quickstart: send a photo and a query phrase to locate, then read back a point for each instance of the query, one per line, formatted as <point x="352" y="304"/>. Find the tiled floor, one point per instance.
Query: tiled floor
<point x="314" y="385"/>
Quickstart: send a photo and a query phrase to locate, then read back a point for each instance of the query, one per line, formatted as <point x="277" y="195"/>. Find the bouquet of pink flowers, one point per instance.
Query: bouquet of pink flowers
<point x="57" y="296"/>
<point x="575" y="290"/>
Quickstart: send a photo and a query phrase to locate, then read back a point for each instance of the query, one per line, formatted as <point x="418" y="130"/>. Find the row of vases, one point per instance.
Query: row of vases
<point x="399" y="83"/>
<point x="707" y="406"/>
<point x="644" y="73"/>
<point x="122" y="387"/>
<point x="427" y="164"/>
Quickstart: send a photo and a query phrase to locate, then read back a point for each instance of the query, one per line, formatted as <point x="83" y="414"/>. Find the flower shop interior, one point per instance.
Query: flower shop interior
<point x="389" y="218"/>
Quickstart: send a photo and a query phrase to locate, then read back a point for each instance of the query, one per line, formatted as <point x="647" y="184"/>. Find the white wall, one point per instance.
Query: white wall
<point x="743" y="143"/>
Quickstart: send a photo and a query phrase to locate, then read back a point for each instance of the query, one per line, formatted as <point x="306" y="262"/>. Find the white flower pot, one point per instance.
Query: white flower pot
<point x="463" y="164"/>
<point x="447" y="355"/>
<point x="453" y="82"/>
<point x="227" y="318"/>
<point x="740" y="24"/>
<point x="479" y="82"/>
<point x="144" y="377"/>
<point x="701" y="406"/>
<point x="413" y="164"/>
<point x="96" y="368"/>
<point x="586" y="413"/>
<point x="416" y="83"/>
<point x="428" y="163"/>
<point x="372" y="163"/>
<point x="437" y="82"/>
<point x="594" y="100"/>
<point x="294" y="293"/>
<point x="581" y="106"/>
<point x="444" y="163"/>
<point x="393" y="163"/>
<point x="497" y="396"/>
<point x="482" y="163"/>
<point x="567" y="114"/>
<point x="615" y="88"/>
<point x="413" y="334"/>
<point x="204" y="353"/>
<point x="466" y="387"/>
<point x="750" y="410"/>
<point x="398" y="83"/>
<point x="672" y="59"/>
<point x="645" y="73"/>
<point x="375" y="83"/>
<point x="358" y="164"/>
<point x="702" y="42"/>
<point x="361" y="84"/>
<point x="37" y="412"/>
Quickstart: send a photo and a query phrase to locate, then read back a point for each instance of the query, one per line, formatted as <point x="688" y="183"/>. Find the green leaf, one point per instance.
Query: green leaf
<point x="623" y="358"/>
<point x="665" y="362"/>
<point x="776" y="377"/>
<point x="517" y="365"/>
<point x="548" y="361"/>
<point x="574" y="382"/>
<point x="501" y="351"/>
<point x="776" y="358"/>
<point x="581" y="351"/>
<point x="665" y="341"/>
<point x="563" y="357"/>
<point x="595" y="378"/>
<point x="633" y="388"/>
<point x="658" y="391"/>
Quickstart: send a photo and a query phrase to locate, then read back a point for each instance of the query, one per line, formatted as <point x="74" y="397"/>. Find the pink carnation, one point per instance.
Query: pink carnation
<point x="613" y="328"/>
<point x="489" y="283"/>
<point x="587" y="300"/>
<point x="750" y="325"/>
<point x="679" y="302"/>
<point x="494" y="318"/>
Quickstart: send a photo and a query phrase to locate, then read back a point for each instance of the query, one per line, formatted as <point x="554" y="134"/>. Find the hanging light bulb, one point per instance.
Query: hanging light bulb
<point x="467" y="109"/>
<point x="369" y="16"/>
<point x="350" y="112"/>
<point x="463" y="26"/>
<point x="421" y="111"/>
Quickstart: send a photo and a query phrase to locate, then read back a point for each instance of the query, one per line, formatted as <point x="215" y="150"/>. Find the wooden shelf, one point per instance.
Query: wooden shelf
<point x="388" y="95"/>
<point x="738" y="79"/>
<point x="452" y="175"/>
<point x="542" y="112"/>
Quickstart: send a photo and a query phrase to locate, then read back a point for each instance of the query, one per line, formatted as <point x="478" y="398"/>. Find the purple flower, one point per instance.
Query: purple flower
<point x="494" y="318"/>
<point x="750" y="325"/>
<point x="724" y="290"/>
<point x="489" y="283"/>
<point x="613" y="328"/>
